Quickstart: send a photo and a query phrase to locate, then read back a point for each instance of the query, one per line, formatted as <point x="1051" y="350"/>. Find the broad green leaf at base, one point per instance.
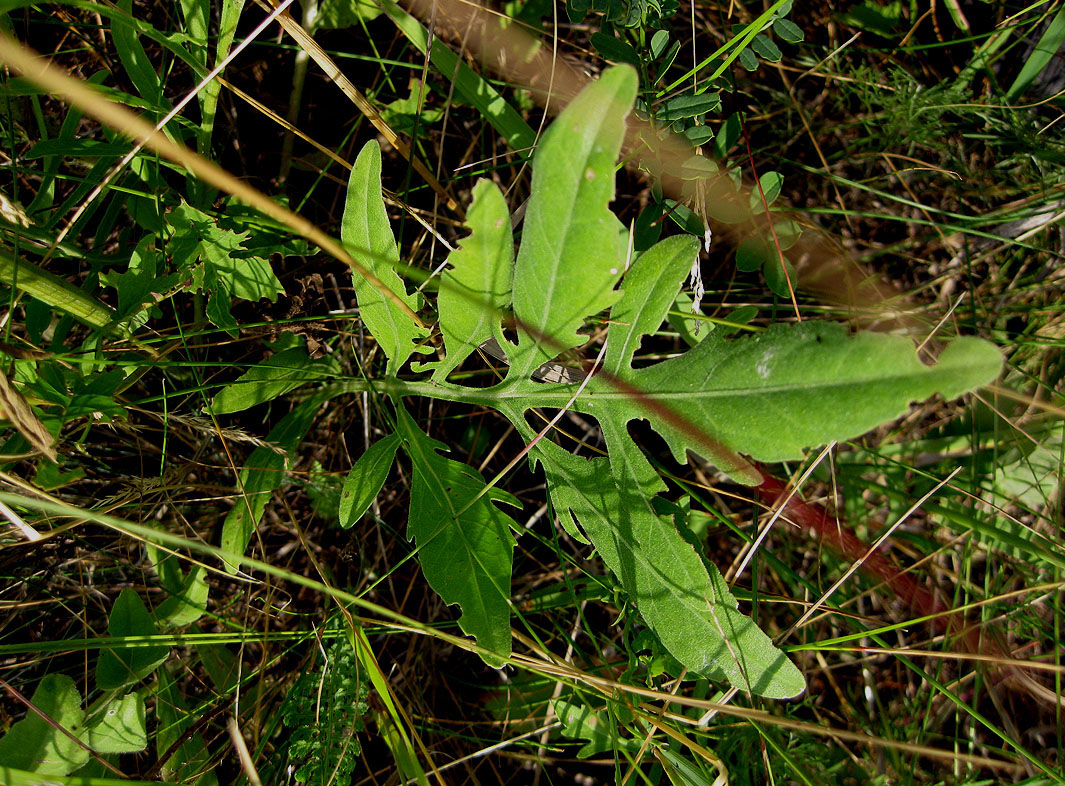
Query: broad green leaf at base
<point x="33" y="745"/>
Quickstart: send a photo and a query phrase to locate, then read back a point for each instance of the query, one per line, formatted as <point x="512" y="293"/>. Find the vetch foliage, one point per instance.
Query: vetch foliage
<point x="324" y="712"/>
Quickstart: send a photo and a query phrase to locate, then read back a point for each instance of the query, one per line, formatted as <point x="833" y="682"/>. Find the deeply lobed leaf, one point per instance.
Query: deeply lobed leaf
<point x="368" y="237"/>
<point x="572" y="247"/>
<point x="464" y="542"/>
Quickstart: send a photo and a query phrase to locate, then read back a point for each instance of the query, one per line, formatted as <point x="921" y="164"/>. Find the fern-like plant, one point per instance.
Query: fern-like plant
<point x="323" y="712"/>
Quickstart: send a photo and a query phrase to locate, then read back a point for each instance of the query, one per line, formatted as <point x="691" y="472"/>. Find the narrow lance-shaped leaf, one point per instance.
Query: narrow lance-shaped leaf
<point x="774" y="395"/>
<point x="572" y="247"/>
<point x="464" y="542"/>
<point x="476" y="288"/>
<point x="368" y="237"/>
<point x="282" y="373"/>
<point x="262" y="476"/>
<point x="365" y="480"/>
<point x="650" y="288"/>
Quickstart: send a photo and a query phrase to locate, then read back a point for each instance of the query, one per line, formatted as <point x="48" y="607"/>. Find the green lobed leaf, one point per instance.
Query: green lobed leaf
<point x="121" y="666"/>
<point x="476" y="288"/>
<point x="776" y="394"/>
<point x="770" y="396"/>
<point x="365" y="480"/>
<point x="219" y="263"/>
<point x="405" y="115"/>
<point x="572" y="247"/>
<point x="685" y="603"/>
<point x="120" y="727"/>
<point x="367" y="236"/>
<point x="34" y="745"/>
<point x="465" y="546"/>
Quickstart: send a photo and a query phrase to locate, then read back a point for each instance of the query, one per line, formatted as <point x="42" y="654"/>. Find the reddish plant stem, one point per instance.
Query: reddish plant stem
<point x="829" y="530"/>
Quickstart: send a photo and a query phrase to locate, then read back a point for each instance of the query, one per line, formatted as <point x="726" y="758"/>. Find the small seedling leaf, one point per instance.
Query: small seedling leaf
<point x="120" y="726"/>
<point x="120" y="666"/>
<point x="770" y="184"/>
<point x="658" y="43"/>
<point x="682" y="107"/>
<point x="788" y="233"/>
<point x="698" y="167"/>
<point x="699" y="135"/>
<point x="788" y="31"/>
<point x="764" y="47"/>
<point x="781" y="278"/>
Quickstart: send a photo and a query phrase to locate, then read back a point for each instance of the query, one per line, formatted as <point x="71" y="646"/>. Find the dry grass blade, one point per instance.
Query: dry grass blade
<point x="332" y="70"/>
<point x="15" y="408"/>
